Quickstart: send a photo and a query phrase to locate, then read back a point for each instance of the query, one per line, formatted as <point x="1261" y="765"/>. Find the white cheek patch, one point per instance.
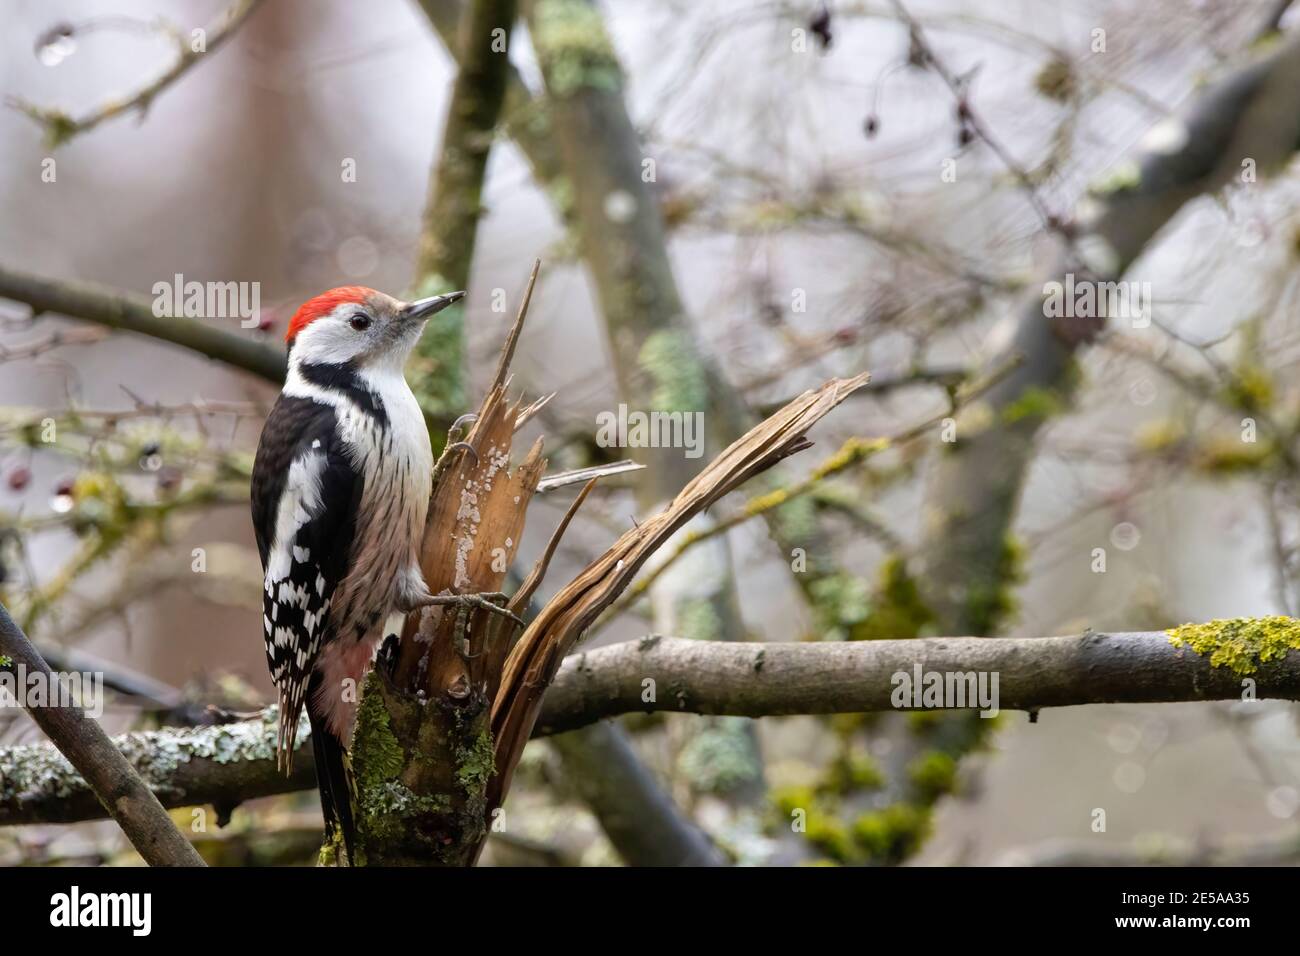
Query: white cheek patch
<point x="330" y="339"/>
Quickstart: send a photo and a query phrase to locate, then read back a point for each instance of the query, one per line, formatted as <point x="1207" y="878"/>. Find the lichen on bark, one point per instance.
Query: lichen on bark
<point x="35" y="768"/>
<point x="1241" y="643"/>
<point x="422" y="769"/>
<point x="573" y="47"/>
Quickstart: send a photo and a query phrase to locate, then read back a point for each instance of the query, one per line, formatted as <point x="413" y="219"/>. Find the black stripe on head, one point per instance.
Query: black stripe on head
<point x="345" y="380"/>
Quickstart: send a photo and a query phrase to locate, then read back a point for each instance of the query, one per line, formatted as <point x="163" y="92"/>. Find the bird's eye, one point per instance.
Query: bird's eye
<point x="360" y="322"/>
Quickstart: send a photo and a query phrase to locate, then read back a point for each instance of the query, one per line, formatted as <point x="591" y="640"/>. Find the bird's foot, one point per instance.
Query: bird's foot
<point x="493" y="601"/>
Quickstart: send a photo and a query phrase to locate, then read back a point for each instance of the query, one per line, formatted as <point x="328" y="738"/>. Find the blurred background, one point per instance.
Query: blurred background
<point x="732" y="202"/>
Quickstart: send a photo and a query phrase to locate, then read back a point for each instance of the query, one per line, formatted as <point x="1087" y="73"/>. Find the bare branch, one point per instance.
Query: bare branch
<point x="60" y="127"/>
<point x="762" y="680"/>
<point x="116" y="784"/>
<point x="236" y="762"/>
<point x="128" y="312"/>
<point x="635" y="812"/>
<point x="957" y="85"/>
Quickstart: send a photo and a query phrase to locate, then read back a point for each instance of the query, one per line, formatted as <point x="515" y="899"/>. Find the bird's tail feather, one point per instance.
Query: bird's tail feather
<point x="333" y="778"/>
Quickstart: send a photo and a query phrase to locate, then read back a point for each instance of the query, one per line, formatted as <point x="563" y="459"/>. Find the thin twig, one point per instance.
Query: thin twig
<point x="957" y="86"/>
<point x="512" y="340"/>
<point x="60" y="127"/>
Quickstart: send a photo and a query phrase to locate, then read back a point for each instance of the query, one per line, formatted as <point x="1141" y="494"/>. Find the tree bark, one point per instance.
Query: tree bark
<point x="236" y="762"/>
<point x="128" y="312"/>
<point x="85" y="745"/>
<point x="636" y="813"/>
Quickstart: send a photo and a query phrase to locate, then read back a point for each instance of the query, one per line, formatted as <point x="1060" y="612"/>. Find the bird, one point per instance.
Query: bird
<point x="340" y="493"/>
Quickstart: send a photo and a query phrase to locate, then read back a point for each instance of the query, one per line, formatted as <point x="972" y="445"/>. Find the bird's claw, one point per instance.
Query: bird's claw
<point x="458" y="426"/>
<point x="463" y="446"/>
<point x="454" y="444"/>
<point x="487" y="601"/>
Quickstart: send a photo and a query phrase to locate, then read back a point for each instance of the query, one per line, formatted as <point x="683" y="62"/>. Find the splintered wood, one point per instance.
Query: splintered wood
<point x="534" y="659"/>
<point x="471" y="659"/>
<point x="476" y="518"/>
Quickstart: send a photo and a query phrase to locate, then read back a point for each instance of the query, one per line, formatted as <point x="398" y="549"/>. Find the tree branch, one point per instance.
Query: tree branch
<point x="236" y="762"/>
<point x="184" y="767"/>
<point x="128" y="312"/>
<point x="524" y="116"/>
<point x="766" y="680"/>
<point x="114" y="781"/>
<point x="636" y="813"/>
<point x="60" y="127"/>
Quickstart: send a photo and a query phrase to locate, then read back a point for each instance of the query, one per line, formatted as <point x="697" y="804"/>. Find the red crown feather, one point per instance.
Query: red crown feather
<point x="324" y="304"/>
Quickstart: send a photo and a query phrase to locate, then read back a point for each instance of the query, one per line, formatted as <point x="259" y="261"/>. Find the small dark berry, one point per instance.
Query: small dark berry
<point x="820" y="27"/>
<point x="169" y="478"/>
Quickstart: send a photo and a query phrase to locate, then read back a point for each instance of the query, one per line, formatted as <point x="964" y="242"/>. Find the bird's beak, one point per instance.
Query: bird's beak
<point x="423" y="308"/>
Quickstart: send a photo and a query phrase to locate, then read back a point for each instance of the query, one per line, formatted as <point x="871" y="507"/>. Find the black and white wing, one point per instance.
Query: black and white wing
<point x="305" y="496"/>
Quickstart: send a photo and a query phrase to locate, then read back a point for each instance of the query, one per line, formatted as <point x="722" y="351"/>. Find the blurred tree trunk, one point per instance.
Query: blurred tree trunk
<point x="607" y="189"/>
<point x="969" y="561"/>
<point x="437" y="369"/>
<point x="528" y="120"/>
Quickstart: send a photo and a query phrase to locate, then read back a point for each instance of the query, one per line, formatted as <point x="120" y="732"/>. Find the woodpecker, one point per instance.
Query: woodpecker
<point x="340" y="493"/>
